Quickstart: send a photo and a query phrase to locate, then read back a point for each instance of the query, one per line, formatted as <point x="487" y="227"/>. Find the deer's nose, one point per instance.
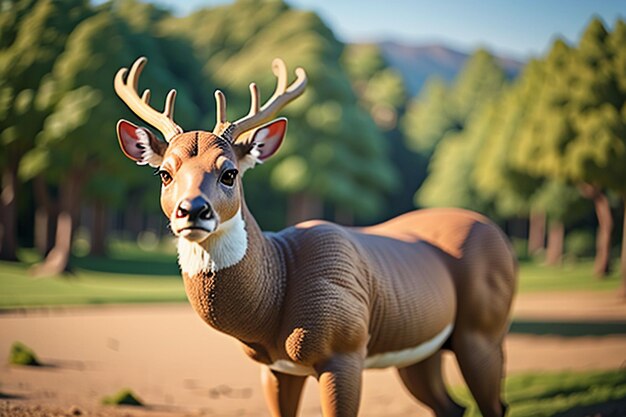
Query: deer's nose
<point x="193" y="209"/>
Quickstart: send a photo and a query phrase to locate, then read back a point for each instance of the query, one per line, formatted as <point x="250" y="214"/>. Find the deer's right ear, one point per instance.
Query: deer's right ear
<point x="140" y="144"/>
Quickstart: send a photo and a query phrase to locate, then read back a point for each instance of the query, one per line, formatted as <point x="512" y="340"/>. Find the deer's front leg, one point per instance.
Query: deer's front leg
<point x="340" y="385"/>
<point x="282" y="392"/>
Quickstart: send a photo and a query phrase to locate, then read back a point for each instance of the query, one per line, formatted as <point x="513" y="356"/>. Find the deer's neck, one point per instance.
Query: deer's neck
<point x="235" y="280"/>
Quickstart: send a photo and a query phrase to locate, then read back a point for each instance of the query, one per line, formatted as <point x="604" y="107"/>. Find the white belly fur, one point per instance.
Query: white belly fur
<point x="399" y="359"/>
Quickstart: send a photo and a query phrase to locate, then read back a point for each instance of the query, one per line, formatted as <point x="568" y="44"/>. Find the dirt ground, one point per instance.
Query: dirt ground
<point x="180" y="367"/>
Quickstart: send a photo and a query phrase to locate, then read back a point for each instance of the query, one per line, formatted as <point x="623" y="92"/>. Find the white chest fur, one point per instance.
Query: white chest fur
<point x="222" y="249"/>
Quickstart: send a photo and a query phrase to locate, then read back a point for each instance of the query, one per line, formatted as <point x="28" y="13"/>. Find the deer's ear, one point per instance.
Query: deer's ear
<point x="268" y="138"/>
<point x="140" y="144"/>
<point x="263" y="142"/>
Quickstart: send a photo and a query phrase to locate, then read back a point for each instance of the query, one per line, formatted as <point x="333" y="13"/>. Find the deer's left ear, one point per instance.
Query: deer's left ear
<point x="262" y="143"/>
<point x="140" y="144"/>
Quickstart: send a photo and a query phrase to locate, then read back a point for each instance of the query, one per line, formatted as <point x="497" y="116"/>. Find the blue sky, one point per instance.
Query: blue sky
<point x="518" y="28"/>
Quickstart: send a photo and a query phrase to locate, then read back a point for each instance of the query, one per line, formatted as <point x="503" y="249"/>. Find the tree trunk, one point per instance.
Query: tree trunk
<point x="623" y="254"/>
<point x="556" y="236"/>
<point x="58" y="259"/>
<point x="8" y="210"/>
<point x="302" y="207"/>
<point x="605" y="226"/>
<point x="99" y="229"/>
<point x="536" y="232"/>
<point x="45" y="216"/>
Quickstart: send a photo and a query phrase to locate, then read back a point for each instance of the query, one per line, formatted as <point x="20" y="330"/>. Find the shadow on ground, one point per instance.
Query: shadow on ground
<point x="616" y="408"/>
<point x="568" y="328"/>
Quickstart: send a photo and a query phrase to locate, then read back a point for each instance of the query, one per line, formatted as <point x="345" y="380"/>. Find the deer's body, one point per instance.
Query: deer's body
<point x="322" y="300"/>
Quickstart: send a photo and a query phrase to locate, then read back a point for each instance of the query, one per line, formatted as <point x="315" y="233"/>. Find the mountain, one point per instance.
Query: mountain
<point x="418" y="62"/>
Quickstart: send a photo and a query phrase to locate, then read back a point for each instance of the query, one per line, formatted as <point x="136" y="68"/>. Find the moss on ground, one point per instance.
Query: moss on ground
<point x="23" y="355"/>
<point x="123" y="397"/>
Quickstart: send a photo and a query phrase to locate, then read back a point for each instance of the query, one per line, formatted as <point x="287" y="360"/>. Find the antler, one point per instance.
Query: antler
<point x="259" y="115"/>
<point x="127" y="91"/>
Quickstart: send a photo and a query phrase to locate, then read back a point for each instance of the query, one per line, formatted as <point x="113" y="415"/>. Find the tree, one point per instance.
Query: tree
<point x="428" y="117"/>
<point x="616" y="42"/>
<point x="563" y="205"/>
<point x="381" y="91"/>
<point x="576" y="132"/>
<point x="33" y="35"/>
<point x="470" y="113"/>
<point x="336" y="154"/>
<point x="449" y="181"/>
<point x="75" y="151"/>
<point x="440" y="109"/>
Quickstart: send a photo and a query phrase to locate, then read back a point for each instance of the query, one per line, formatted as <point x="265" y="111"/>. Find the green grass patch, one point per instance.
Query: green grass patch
<point x="123" y="397"/>
<point x="549" y="394"/>
<point x="21" y="354"/>
<point x="19" y="289"/>
<point x="578" y="276"/>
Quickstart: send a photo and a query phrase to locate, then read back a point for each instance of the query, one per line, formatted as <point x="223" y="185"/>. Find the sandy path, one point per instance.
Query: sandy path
<point x="179" y="366"/>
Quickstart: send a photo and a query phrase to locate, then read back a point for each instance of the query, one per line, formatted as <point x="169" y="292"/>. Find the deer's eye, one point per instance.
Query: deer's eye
<point x="228" y="177"/>
<point x="166" y="177"/>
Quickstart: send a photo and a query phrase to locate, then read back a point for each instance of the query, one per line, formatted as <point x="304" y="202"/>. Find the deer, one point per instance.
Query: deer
<point x="319" y="299"/>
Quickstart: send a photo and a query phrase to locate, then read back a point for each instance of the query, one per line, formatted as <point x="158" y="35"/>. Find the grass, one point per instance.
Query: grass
<point x="578" y="276"/>
<point x="128" y="275"/>
<point x="550" y="394"/>
<point x="134" y="275"/>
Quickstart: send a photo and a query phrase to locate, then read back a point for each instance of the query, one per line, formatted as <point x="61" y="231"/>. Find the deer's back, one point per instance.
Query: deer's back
<point x="394" y="286"/>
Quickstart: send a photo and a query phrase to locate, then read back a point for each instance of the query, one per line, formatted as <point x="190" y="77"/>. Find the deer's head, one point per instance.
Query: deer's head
<point x="200" y="170"/>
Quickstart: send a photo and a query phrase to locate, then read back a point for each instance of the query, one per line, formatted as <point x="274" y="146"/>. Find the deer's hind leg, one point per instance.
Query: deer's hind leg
<point x="481" y="361"/>
<point x="425" y="382"/>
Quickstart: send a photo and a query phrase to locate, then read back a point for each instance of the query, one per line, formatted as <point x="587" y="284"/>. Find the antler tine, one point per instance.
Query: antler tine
<point x="145" y="97"/>
<point x="254" y="99"/>
<point x="283" y="94"/>
<point x="220" y="109"/>
<point x="280" y="71"/>
<point x="127" y="91"/>
<point x="169" y="104"/>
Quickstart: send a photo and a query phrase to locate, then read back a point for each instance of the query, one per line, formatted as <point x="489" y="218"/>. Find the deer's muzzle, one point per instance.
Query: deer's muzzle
<point x="193" y="219"/>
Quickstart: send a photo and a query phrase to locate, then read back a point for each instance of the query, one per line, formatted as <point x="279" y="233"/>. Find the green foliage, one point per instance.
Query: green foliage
<point x="441" y="109"/>
<point x="560" y="201"/>
<point x="21" y="354"/>
<point x="336" y="152"/>
<point x="380" y="89"/>
<point x="453" y="124"/>
<point x="496" y="180"/>
<point x="549" y="394"/>
<point x="579" y="244"/>
<point x="34" y="34"/>
<point x="577" y="128"/>
<point x="428" y="117"/>
<point x="123" y="397"/>
<point x="452" y="166"/>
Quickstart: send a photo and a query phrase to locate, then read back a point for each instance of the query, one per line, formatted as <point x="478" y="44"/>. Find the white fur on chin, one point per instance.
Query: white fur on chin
<point x="221" y="249"/>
